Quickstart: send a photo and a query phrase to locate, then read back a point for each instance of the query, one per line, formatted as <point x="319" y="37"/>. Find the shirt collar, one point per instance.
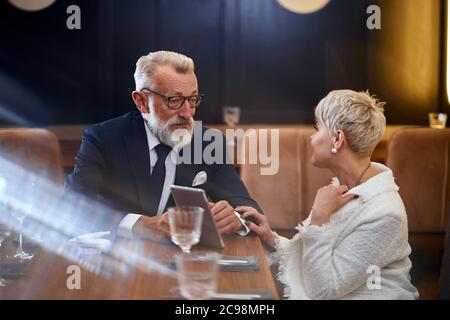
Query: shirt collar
<point x="152" y="140"/>
<point x="381" y="183"/>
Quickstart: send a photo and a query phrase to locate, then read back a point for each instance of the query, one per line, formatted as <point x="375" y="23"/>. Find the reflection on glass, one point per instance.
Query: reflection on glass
<point x="21" y="254"/>
<point x="20" y="215"/>
<point x="4" y="234"/>
<point x="2" y="281"/>
<point x="56" y="216"/>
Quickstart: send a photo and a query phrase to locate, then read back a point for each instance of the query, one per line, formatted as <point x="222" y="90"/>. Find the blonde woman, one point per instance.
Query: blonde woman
<point x="354" y="244"/>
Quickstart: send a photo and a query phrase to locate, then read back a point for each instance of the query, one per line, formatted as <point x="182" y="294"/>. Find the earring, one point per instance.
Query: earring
<point x="334" y="151"/>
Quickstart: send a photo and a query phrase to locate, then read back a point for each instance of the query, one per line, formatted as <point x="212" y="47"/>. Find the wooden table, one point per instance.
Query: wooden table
<point x="46" y="274"/>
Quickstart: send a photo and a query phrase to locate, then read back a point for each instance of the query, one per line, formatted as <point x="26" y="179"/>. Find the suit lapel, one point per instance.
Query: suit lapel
<point x="139" y="158"/>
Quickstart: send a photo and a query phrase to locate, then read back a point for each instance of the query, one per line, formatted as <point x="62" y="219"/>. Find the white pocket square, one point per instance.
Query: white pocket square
<point x="200" y="179"/>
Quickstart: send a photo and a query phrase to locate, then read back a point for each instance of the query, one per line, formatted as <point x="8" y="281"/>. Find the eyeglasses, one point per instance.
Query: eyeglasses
<point x="176" y="102"/>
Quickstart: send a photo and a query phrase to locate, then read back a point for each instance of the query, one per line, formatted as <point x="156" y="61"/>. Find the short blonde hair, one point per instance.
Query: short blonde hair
<point x="146" y="65"/>
<point x="358" y="114"/>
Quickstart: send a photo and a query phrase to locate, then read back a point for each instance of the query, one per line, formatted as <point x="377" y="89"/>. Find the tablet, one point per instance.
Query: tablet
<point x="185" y="196"/>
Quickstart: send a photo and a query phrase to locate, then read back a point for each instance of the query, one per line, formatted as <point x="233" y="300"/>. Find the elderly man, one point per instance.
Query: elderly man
<point x="127" y="162"/>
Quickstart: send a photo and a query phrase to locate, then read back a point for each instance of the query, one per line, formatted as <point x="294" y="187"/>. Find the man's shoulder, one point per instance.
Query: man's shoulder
<point x="113" y="125"/>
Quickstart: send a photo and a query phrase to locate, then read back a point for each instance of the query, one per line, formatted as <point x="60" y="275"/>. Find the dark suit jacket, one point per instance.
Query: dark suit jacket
<point x="113" y="166"/>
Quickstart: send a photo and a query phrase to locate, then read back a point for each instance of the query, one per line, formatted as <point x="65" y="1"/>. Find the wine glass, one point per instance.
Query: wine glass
<point x="185" y="226"/>
<point x="20" y="253"/>
<point x="29" y="199"/>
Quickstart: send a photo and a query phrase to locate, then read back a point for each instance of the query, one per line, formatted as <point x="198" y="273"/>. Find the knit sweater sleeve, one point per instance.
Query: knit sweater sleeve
<point x="281" y="246"/>
<point x="333" y="269"/>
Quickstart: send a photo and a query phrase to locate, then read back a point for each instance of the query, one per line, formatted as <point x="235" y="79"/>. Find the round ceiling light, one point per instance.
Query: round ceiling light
<point x="31" y="5"/>
<point x="303" y="6"/>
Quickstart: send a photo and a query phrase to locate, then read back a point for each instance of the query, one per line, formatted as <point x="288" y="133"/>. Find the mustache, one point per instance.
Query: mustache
<point x="179" y="120"/>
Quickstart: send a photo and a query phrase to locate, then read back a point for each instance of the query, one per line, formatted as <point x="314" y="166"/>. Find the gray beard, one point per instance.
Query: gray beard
<point x="161" y="130"/>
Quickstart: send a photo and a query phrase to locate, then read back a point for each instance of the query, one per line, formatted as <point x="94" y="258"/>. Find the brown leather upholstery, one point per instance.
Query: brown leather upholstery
<point x="419" y="159"/>
<point x="37" y="149"/>
<point x="287" y="196"/>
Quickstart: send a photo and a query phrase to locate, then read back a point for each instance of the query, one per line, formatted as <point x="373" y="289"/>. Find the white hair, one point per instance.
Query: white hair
<point x="358" y="114"/>
<point x="146" y="65"/>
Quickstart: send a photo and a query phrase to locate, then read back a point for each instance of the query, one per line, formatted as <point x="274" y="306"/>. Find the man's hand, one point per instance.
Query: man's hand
<point x="152" y="228"/>
<point x="226" y="220"/>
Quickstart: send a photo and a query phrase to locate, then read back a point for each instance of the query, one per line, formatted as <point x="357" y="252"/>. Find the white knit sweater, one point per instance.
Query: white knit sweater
<point x="337" y="261"/>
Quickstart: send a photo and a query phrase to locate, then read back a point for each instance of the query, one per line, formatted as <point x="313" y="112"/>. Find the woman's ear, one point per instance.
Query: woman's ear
<point x="339" y="139"/>
<point x="140" y="100"/>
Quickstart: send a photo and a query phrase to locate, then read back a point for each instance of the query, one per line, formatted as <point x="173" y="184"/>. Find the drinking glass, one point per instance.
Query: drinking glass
<point x="185" y="226"/>
<point x="21" y="254"/>
<point x="29" y="199"/>
<point x="197" y="274"/>
<point x="437" y="120"/>
<point x="231" y="115"/>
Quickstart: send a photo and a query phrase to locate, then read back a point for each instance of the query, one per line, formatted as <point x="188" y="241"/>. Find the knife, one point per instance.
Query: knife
<point x="227" y="262"/>
<point x="237" y="296"/>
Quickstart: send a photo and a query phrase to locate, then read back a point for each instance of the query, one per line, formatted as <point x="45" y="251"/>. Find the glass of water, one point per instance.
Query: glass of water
<point x="185" y="223"/>
<point x="197" y="274"/>
<point x="437" y="120"/>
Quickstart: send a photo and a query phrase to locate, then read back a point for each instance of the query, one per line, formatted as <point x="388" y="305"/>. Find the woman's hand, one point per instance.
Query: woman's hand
<point x="263" y="229"/>
<point x="328" y="200"/>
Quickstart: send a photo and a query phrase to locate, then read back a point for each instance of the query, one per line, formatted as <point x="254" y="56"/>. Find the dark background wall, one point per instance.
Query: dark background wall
<point x="273" y="63"/>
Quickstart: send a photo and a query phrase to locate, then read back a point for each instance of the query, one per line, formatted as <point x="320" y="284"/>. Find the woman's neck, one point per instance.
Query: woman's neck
<point x="353" y="171"/>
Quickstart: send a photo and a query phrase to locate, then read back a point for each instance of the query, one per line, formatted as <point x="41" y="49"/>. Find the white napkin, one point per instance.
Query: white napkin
<point x="200" y="179"/>
<point x="92" y="240"/>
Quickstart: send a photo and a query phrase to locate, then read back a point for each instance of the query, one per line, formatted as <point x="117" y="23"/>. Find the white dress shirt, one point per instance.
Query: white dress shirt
<point x="127" y="223"/>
